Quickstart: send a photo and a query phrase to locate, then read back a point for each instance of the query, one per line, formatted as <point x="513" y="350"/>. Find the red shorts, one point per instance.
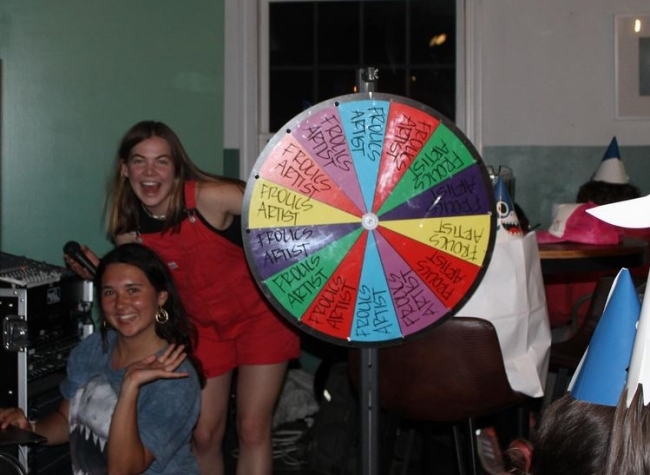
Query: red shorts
<point x="266" y="339"/>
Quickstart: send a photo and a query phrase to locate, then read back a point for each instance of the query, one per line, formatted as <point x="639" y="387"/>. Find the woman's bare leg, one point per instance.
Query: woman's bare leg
<point x="258" y="388"/>
<point x="211" y="427"/>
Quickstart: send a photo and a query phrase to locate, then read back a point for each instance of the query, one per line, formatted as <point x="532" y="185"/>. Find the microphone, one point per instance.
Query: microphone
<point x="73" y="250"/>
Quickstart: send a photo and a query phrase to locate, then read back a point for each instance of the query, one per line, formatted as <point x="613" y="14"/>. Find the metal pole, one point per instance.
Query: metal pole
<point x="369" y="361"/>
<point x="367" y="79"/>
<point x="369" y="409"/>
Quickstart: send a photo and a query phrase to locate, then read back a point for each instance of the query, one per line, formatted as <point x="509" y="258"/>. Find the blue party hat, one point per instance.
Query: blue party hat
<point x="508" y="226"/>
<point x="602" y="373"/>
<point x="611" y="169"/>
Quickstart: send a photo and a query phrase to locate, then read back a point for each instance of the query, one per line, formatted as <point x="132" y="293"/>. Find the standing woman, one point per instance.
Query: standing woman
<point x="192" y="220"/>
<point x="131" y="396"/>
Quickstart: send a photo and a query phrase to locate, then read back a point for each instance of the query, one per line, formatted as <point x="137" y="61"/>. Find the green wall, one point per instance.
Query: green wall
<point x="547" y="175"/>
<point x="76" y="74"/>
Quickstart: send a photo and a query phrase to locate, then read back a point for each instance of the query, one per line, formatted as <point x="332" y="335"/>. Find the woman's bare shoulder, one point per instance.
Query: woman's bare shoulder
<point x="218" y="201"/>
<point x="125" y="238"/>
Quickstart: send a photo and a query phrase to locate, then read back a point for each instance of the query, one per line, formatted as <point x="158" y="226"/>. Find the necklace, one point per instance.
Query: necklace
<point x="157" y="217"/>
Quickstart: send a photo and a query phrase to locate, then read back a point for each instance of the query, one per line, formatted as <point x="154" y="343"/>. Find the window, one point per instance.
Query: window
<point x="314" y="49"/>
<point x="311" y="65"/>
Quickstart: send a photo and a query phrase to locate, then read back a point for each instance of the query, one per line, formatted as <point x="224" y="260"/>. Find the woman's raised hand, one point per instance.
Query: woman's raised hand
<point x="78" y="268"/>
<point x="155" y="367"/>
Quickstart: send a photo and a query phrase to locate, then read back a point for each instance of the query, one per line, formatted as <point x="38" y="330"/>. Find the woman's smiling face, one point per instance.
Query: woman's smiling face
<point x="129" y="301"/>
<point x="150" y="171"/>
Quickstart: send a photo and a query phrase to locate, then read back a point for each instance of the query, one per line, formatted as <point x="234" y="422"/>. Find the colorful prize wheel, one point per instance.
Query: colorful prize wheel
<point x="367" y="219"/>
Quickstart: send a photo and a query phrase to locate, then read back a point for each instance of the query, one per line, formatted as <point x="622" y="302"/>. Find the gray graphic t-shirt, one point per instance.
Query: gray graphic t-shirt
<point x="167" y="412"/>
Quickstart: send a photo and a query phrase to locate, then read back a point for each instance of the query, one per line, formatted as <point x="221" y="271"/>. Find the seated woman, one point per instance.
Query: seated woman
<point x="572" y="439"/>
<point x="131" y="397"/>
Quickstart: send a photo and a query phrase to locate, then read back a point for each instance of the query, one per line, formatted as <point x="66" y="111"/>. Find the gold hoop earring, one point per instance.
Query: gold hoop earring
<point x="162" y="316"/>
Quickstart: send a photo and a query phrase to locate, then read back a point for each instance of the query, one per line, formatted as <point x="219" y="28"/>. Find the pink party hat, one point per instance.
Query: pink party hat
<point x="611" y="169"/>
<point x="602" y="373"/>
<point x="572" y="223"/>
<point x="508" y="226"/>
<point x="639" y="373"/>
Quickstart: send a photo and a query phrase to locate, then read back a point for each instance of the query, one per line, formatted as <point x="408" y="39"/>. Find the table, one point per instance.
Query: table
<point x="571" y="257"/>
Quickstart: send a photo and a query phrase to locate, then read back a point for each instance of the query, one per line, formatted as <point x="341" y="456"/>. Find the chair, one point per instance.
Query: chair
<point x="566" y="355"/>
<point x="11" y="439"/>
<point x="454" y="373"/>
<point x="10" y="465"/>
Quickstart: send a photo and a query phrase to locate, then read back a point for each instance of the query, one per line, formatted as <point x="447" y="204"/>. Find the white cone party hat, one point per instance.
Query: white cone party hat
<point x="639" y="373"/>
<point x="611" y="169"/>
<point x="508" y="226"/>
<point x="602" y="374"/>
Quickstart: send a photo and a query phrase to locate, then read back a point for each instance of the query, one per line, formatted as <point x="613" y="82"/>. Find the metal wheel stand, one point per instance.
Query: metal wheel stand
<point x="369" y="368"/>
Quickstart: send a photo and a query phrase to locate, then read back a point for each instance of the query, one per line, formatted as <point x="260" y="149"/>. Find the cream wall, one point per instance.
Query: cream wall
<point x="547" y="99"/>
<point x="548" y="73"/>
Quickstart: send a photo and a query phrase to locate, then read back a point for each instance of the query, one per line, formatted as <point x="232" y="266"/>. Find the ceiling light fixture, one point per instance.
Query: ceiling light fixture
<point x="437" y="40"/>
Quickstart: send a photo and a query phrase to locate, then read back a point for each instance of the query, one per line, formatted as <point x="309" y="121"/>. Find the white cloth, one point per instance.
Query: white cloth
<point x="511" y="296"/>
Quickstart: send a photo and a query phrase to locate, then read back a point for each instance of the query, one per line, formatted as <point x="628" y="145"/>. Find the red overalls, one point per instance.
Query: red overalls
<point x="236" y="325"/>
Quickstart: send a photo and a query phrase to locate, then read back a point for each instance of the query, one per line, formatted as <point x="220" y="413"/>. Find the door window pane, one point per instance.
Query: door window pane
<point x="338" y="33"/>
<point x="435" y="86"/>
<point x="290" y="93"/>
<point x="291" y="29"/>
<point x="336" y="83"/>
<point x="428" y="23"/>
<point x="385" y="33"/>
